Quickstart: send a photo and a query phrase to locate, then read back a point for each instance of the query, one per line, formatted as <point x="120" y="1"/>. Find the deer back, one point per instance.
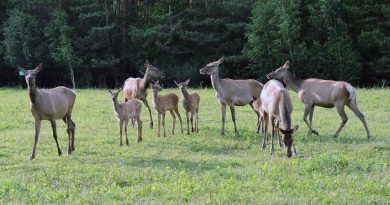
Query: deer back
<point x="132" y="89"/>
<point x="167" y="102"/>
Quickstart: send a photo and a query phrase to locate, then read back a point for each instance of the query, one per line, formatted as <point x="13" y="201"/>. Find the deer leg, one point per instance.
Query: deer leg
<point x="223" y="109"/>
<point x="54" y="128"/>
<point x="158" y="122"/>
<point x="196" y="122"/>
<point x="307" y="111"/>
<point x="233" y="112"/>
<point x="344" y="119"/>
<point x="37" y="130"/>
<point x="311" y="119"/>
<point x="139" y="127"/>
<point x="120" y="131"/>
<point x="192" y="123"/>
<point x="273" y="129"/>
<point x="132" y="122"/>
<point x="353" y="106"/>
<point x="125" y="125"/>
<point x="163" y="122"/>
<point x="150" y="112"/>
<point x="278" y="134"/>
<point x="181" y="122"/>
<point x="73" y="133"/>
<point x="173" y="121"/>
<point x="188" y="124"/>
<point x="265" y="132"/>
<point x="258" y="123"/>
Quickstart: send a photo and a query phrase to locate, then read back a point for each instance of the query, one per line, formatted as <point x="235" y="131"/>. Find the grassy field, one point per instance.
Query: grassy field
<point x="203" y="168"/>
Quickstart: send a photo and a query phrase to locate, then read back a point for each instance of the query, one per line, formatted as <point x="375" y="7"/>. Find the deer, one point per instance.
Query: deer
<point x="323" y="93"/>
<point x="136" y="88"/>
<point x="277" y="107"/>
<point x="50" y="104"/>
<point x="190" y="104"/>
<point x="125" y="111"/>
<point x="162" y="103"/>
<point x="231" y="92"/>
<point x="256" y="106"/>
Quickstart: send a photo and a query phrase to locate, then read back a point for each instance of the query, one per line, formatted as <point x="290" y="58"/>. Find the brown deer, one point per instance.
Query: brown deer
<point x="163" y="103"/>
<point x="190" y="104"/>
<point x="276" y="106"/>
<point x="125" y="111"/>
<point x="256" y="106"/>
<point x="50" y="104"/>
<point x="324" y="93"/>
<point x="136" y="88"/>
<point x="231" y="92"/>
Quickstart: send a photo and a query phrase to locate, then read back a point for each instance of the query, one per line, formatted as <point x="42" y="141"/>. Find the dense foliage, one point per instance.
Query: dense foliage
<point x="106" y="41"/>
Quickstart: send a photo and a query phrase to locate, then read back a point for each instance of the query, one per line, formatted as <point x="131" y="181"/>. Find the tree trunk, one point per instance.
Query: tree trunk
<point x="72" y="76"/>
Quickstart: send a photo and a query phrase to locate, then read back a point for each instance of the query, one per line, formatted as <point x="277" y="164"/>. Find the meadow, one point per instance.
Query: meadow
<point x="202" y="168"/>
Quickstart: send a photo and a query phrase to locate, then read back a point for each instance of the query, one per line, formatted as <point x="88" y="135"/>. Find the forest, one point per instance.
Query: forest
<point x="103" y="42"/>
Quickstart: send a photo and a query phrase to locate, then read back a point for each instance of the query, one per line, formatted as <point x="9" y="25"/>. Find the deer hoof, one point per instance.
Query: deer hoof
<point x="315" y="132"/>
<point x="32" y="156"/>
<point x="60" y="152"/>
<point x="151" y="125"/>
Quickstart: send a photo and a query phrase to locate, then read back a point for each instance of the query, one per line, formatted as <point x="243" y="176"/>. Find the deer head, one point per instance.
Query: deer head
<point x="212" y="67"/>
<point x="280" y="73"/>
<point x="184" y="84"/>
<point x="153" y="71"/>
<point x="30" y="75"/>
<point x="288" y="139"/>
<point x="156" y="86"/>
<point x="114" y="96"/>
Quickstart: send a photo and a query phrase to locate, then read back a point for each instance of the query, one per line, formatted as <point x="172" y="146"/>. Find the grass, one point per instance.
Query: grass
<point x="203" y="168"/>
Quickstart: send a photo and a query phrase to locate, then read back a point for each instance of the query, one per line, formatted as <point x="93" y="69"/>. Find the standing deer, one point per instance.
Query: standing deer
<point x="276" y="106"/>
<point x="125" y="111"/>
<point x="51" y="104"/>
<point x="136" y="88"/>
<point x="231" y="92"/>
<point x="190" y="104"/>
<point x="324" y="93"/>
<point x="256" y="106"/>
<point x="163" y="103"/>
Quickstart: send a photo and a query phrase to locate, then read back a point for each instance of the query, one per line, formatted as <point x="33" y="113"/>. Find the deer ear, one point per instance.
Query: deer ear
<point x="21" y="69"/>
<point x="109" y="91"/>
<point x="187" y="81"/>
<point x="147" y="63"/>
<point x="176" y="82"/>
<point x="221" y="59"/>
<point x="286" y="65"/>
<point x="38" y="68"/>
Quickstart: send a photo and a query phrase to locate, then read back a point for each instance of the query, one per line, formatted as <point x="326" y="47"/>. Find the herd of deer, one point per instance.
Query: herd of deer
<point x="271" y="103"/>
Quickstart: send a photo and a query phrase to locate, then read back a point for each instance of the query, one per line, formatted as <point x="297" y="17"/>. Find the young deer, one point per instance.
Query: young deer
<point x="163" y="103"/>
<point x="51" y="104"/>
<point x="231" y="92"/>
<point x="324" y="93"/>
<point x="256" y="106"/>
<point x="125" y="111"/>
<point x="190" y="104"/>
<point x="136" y="88"/>
<point x="276" y="106"/>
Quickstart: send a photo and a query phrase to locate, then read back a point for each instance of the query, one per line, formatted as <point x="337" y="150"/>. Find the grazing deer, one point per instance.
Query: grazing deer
<point x="163" y="103"/>
<point x="324" y="93"/>
<point x="190" y="104"/>
<point x="276" y="106"/>
<point x="231" y="92"/>
<point x="50" y="104"/>
<point x="125" y="111"/>
<point x="136" y="88"/>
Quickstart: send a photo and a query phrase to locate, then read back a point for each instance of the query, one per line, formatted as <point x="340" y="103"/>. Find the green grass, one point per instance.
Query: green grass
<point x="203" y="168"/>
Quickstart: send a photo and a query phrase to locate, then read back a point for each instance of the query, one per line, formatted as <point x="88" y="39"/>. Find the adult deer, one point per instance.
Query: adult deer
<point x="324" y="93"/>
<point x="191" y="105"/>
<point x="136" y="88"/>
<point x="276" y="106"/>
<point x="125" y="111"/>
<point x="231" y="92"/>
<point x="51" y="104"/>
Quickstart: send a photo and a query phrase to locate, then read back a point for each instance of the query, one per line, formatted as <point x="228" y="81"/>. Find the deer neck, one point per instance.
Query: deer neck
<point x="184" y="92"/>
<point x="216" y="81"/>
<point x="292" y="82"/>
<point x="145" y="80"/>
<point x="285" y="116"/>
<point x="116" y="104"/>
<point x="32" y="92"/>
<point x="155" y="97"/>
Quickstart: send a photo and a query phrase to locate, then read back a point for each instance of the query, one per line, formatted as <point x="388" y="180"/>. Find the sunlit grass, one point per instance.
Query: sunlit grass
<point x="203" y="168"/>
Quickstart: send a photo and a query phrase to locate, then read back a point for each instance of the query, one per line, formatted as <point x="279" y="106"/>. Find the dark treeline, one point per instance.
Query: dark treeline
<point x="106" y="41"/>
